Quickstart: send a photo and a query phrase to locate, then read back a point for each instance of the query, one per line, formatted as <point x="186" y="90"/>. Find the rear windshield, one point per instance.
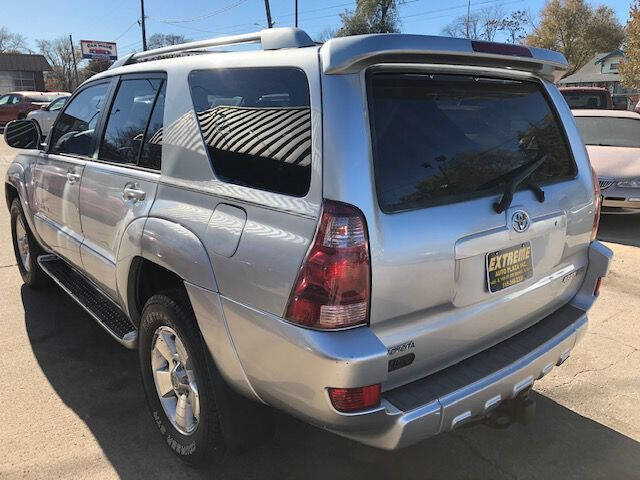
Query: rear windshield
<point x="446" y="138"/>
<point x="577" y="100"/>
<point x="610" y="131"/>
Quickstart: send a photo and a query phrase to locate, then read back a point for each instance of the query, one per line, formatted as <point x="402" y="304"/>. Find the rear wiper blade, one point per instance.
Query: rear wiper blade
<point x="515" y="178"/>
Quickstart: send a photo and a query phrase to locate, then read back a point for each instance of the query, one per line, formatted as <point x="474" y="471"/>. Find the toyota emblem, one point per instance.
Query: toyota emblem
<point x="520" y="221"/>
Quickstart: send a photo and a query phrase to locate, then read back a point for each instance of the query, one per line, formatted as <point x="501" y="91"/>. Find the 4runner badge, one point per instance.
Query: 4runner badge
<point x="520" y="221"/>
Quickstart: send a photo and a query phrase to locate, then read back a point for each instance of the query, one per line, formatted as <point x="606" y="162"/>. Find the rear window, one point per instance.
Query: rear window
<point x="441" y="139"/>
<point x="578" y="100"/>
<point x="610" y="131"/>
<point x="256" y="124"/>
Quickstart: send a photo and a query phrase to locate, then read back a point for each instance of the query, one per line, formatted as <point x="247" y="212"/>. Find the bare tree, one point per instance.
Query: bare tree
<point x="326" y="34"/>
<point x="12" y="42"/>
<point x="489" y="23"/>
<point x="60" y="56"/>
<point x="158" y="40"/>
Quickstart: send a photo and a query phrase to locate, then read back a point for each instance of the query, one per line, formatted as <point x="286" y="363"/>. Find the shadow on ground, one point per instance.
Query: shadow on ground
<point x="623" y="229"/>
<point x="98" y="379"/>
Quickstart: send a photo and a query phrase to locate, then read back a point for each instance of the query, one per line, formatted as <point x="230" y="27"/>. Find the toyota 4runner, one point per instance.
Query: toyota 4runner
<point x="388" y="236"/>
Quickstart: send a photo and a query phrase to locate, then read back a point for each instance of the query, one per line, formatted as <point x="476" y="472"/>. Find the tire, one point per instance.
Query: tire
<point x="164" y="316"/>
<point x="26" y="249"/>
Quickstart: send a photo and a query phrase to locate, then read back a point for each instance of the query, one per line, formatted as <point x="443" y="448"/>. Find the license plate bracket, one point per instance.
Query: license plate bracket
<point x="508" y="267"/>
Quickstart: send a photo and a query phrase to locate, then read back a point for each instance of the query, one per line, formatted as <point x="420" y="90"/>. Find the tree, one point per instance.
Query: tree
<point x="60" y="56"/>
<point x="158" y="40"/>
<point x="92" y="67"/>
<point x="630" y="64"/>
<point x="370" y="16"/>
<point x="12" y="42"/>
<point x="488" y="23"/>
<point x="577" y="30"/>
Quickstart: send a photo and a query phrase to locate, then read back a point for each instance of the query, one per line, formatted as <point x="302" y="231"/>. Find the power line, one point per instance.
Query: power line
<point x="226" y="8"/>
<point x="125" y="32"/>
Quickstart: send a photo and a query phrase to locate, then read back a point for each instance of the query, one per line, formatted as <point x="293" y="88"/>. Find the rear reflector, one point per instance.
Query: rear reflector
<point x="596" y="290"/>
<point x="500" y="49"/>
<point x="352" y="399"/>
<point x="332" y="288"/>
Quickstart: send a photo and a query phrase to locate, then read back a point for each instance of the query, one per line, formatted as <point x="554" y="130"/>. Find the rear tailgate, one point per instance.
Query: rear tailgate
<point x="450" y="275"/>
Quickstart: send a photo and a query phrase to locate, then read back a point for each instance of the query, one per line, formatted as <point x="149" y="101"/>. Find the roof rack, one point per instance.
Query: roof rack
<point x="270" y="39"/>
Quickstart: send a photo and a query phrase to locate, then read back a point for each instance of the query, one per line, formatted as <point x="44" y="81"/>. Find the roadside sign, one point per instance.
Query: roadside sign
<point x="96" y="50"/>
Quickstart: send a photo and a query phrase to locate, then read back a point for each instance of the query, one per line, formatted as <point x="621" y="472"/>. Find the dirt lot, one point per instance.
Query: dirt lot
<point x="71" y="404"/>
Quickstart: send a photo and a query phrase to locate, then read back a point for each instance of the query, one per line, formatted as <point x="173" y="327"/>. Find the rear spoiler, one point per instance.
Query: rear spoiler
<point x="352" y="54"/>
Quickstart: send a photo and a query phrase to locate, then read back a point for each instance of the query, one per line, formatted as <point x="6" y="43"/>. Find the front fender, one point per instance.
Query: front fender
<point x="16" y="177"/>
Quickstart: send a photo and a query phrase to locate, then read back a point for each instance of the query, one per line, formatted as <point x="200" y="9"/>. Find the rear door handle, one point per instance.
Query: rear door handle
<point x="72" y="177"/>
<point x="132" y="193"/>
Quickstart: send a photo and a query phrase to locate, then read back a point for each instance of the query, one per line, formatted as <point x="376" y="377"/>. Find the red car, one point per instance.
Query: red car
<point x="16" y="105"/>
<point x="587" y="97"/>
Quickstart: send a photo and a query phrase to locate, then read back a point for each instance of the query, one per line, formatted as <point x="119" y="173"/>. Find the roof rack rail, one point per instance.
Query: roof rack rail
<point x="270" y="39"/>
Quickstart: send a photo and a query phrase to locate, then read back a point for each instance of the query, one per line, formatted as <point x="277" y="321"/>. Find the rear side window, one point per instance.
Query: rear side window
<point x="256" y="124"/>
<point x="75" y="129"/>
<point x="128" y="119"/>
<point x="441" y="139"/>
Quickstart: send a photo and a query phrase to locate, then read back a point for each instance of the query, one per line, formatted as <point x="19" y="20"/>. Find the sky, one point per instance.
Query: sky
<point x="116" y="20"/>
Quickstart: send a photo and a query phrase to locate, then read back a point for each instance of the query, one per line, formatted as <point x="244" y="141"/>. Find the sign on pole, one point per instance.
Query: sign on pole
<point x="96" y="50"/>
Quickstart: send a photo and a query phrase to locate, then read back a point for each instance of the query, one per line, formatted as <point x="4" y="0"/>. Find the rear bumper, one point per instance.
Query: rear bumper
<point x="290" y="368"/>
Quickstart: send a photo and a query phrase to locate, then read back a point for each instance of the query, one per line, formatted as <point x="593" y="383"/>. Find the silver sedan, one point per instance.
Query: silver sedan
<point x="48" y="114"/>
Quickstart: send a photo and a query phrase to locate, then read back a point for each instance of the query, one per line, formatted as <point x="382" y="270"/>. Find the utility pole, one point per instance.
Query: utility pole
<point x="144" y="30"/>
<point x="73" y="55"/>
<point x="268" y="11"/>
<point x="468" y="16"/>
<point x="296" y="9"/>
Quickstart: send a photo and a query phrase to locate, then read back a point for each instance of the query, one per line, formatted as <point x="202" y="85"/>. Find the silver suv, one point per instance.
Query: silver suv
<point x="388" y="236"/>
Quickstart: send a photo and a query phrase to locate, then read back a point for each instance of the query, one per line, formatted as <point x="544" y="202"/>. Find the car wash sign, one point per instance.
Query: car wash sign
<point x="95" y="50"/>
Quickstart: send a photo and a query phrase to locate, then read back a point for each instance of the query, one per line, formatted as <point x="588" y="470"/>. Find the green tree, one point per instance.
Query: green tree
<point x="630" y="64"/>
<point x="576" y="29"/>
<point x="370" y="16"/>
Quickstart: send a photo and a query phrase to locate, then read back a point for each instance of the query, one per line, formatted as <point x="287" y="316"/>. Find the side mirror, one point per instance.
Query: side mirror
<point x="22" y="134"/>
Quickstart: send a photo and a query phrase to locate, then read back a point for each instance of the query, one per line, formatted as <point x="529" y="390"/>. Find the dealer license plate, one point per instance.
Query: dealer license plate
<point x="509" y="266"/>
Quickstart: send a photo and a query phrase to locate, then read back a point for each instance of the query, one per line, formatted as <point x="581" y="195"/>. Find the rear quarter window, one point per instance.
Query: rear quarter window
<point x="256" y="124"/>
<point x="441" y="139"/>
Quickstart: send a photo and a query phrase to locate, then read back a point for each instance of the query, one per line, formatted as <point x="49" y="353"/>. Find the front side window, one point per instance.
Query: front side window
<point x="75" y="131"/>
<point x="441" y="139"/>
<point x="609" y="131"/>
<point x="128" y="119"/>
<point x="4" y="100"/>
<point x="256" y="124"/>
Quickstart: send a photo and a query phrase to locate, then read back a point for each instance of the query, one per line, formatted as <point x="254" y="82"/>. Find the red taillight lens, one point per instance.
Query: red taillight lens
<point x="597" y="205"/>
<point x="352" y="399"/>
<point x="332" y="288"/>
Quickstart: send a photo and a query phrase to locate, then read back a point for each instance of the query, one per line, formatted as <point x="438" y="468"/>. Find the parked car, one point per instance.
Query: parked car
<point x="587" y="97"/>
<point x="47" y="114"/>
<point x="362" y="234"/>
<point x="612" y="139"/>
<point x="16" y="105"/>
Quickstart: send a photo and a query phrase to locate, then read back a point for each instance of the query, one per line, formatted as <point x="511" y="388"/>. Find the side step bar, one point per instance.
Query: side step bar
<point x="104" y="311"/>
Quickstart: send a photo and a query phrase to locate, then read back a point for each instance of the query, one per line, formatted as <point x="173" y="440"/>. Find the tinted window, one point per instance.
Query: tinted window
<point x="610" y="131"/>
<point x="445" y="138"/>
<point x="128" y="119"/>
<point x="256" y="124"/>
<point x="577" y="100"/>
<point x="75" y="130"/>
<point x="151" y="155"/>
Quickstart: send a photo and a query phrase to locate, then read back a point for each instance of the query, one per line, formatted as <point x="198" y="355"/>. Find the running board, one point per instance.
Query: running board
<point x="104" y="311"/>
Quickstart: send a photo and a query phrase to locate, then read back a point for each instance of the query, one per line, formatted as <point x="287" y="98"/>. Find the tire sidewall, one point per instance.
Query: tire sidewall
<point x="195" y="448"/>
<point x="27" y="276"/>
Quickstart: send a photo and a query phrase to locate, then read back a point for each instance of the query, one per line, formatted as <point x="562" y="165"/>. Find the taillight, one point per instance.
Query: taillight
<point x="333" y="284"/>
<point x="597" y="200"/>
<point x="352" y="399"/>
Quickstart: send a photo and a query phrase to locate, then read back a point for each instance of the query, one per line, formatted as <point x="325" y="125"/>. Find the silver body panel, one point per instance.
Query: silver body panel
<point x="239" y="249"/>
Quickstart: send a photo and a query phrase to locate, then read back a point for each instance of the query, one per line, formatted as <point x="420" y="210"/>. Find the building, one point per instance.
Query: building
<point x="21" y="71"/>
<point x="602" y="71"/>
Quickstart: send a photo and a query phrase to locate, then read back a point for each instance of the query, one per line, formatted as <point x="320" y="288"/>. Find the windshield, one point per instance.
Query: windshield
<point x="577" y="100"/>
<point x="446" y="138"/>
<point x="610" y="131"/>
